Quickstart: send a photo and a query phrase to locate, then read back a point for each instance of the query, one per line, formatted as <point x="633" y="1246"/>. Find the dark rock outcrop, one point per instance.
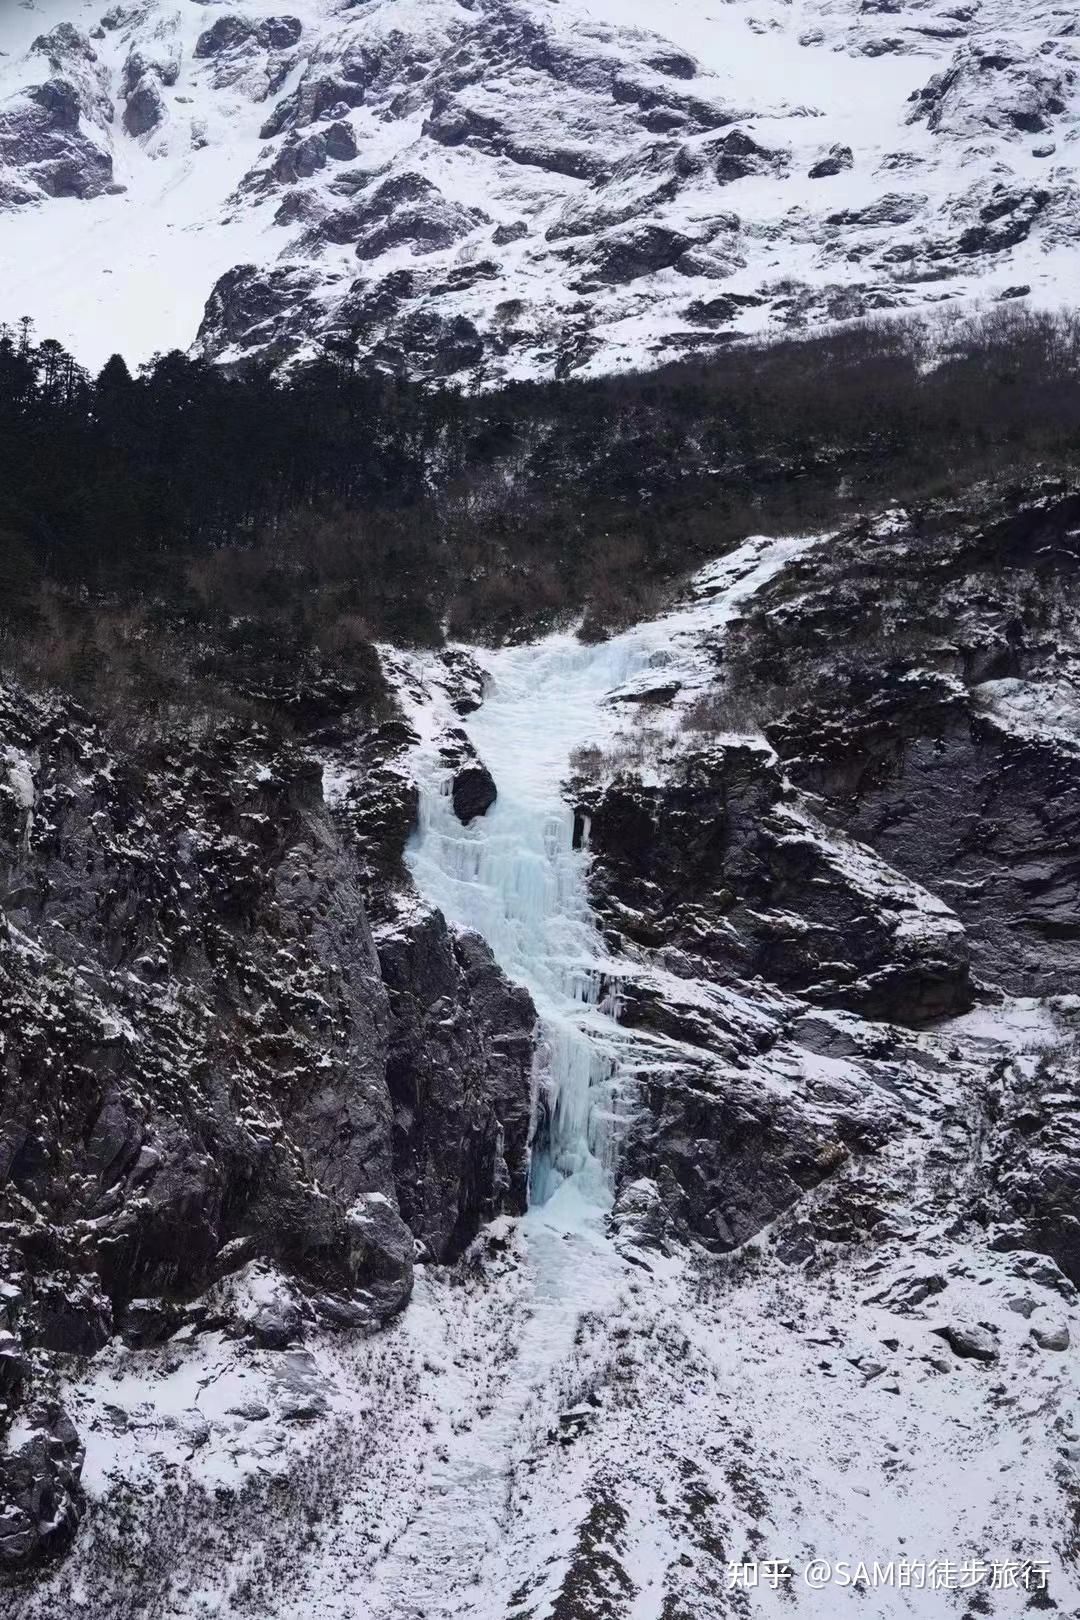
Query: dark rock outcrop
<point x="40" y="1500"/>
<point x="232" y="32"/>
<point x="407" y="209"/>
<point x="207" y="1062"/>
<point x="997" y="85"/>
<point x="145" y="108"/>
<point x="636" y="251"/>
<point x="719" y="311"/>
<point x="926" y="754"/>
<point x="894" y="208"/>
<point x="472" y="786"/>
<point x="249" y="308"/>
<point x="736" y="155"/>
<point x="835" y="161"/>
<point x="257" y="1104"/>
<point x="458" y="1071"/>
<point x="936" y="722"/>
<point x="1031" y="1169"/>
<point x="473" y="792"/>
<point x="300" y="158"/>
<point x="992" y="819"/>
<point x="716" y="864"/>
<point x="732" y="1154"/>
<point x="1005" y="220"/>
<point x="714" y="871"/>
<point x="43" y="133"/>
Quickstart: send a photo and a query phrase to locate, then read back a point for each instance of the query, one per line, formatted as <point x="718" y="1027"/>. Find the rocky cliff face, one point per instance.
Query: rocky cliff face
<point x="947" y="739"/>
<point x="256" y="1090"/>
<point x="517" y="188"/>
<point x="902" y="846"/>
<point x="720" y="875"/>
<point x="210" y="1062"/>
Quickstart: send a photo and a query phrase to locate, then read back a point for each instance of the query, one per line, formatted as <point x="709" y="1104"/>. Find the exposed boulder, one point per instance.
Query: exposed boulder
<point x="738" y="154"/>
<point x="145" y="108"/>
<point x="465" y="680"/>
<point x="502" y="235"/>
<point x="162" y="62"/>
<point x="638" y="250"/>
<point x="64" y="46"/>
<point x="225" y="33"/>
<point x="279" y="33"/>
<point x="473" y="792"/>
<point x="970" y="1342"/>
<point x="675" y="64"/>
<point x="472" y="787"/>
<point x="835" y="161"/>
<point x="723" y="309"/>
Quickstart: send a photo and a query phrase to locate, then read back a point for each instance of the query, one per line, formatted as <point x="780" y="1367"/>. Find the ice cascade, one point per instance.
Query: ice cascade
<point x="518" y="875"/>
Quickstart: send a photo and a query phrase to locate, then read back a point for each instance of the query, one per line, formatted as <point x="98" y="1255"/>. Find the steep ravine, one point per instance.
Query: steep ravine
<point x="518" y="874"/>
<point x="777" y="1295"/>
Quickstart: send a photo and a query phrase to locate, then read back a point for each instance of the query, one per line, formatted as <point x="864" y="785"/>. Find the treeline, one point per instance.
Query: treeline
<point x="324" y="508"/>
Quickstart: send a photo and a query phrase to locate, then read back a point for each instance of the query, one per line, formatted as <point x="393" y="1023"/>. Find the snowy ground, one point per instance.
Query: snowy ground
<point x="564" y="1421"/>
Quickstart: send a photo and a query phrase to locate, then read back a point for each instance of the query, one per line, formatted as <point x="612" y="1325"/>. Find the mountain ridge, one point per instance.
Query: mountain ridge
<point x="517" y="190"/>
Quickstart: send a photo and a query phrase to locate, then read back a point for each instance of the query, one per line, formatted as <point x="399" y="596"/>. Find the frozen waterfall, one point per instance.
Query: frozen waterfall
<point x="515" y="876"/>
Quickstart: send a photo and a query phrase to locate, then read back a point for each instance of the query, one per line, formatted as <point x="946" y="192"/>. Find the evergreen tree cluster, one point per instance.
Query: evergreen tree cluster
<point x="326" y="507"/>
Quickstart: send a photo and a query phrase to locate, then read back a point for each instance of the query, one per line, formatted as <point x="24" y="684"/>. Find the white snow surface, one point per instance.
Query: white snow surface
<point x="1030" y="708"/>
<point x="608" y="128"/>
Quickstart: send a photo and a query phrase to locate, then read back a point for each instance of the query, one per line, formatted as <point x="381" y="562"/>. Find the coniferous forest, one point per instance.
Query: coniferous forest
<point x="247" y="520"/>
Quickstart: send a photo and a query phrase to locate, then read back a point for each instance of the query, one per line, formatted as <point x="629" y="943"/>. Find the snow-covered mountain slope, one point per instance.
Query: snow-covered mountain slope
<point x="521" y="188"/>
